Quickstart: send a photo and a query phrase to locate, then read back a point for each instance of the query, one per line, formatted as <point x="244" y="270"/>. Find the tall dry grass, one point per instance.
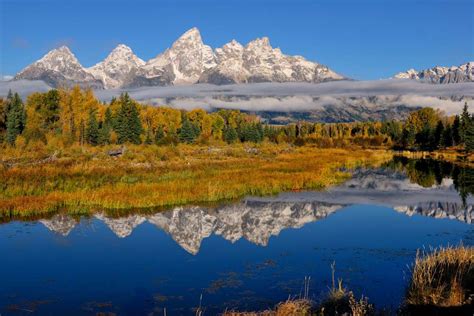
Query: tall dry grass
<point x="443" y="277"/>
<point x="298" y="307"/>
<point x="85" y="178"/>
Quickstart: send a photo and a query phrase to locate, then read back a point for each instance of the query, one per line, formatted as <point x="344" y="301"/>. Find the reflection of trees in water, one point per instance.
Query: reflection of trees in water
<point x="428" y="172"/>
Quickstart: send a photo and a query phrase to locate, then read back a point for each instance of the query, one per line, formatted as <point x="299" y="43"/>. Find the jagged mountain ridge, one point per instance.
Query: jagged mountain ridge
<point x="118" y="67"/>
<point x="187" y="61"/>
<point x="438" y="74"/>
<point x="60" y="67"/>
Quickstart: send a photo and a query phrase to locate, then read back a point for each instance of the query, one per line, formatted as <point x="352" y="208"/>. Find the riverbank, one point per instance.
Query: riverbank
<point x="441" y="283"/>
<point x="453" y="155"/>
<point x="84" y="179"/>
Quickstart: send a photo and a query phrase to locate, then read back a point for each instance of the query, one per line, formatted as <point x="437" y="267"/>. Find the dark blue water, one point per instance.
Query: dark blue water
<point x="246" y="256"/>
<point x="93" y="270"/>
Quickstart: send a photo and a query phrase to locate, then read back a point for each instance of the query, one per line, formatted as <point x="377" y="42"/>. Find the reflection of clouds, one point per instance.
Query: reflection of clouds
<point x="288" y="96"/>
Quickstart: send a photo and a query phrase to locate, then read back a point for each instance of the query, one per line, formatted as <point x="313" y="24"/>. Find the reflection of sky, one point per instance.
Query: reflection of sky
<point x="371" y="245"/>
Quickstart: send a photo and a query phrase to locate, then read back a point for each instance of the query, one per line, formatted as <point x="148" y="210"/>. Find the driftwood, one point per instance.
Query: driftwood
<point x="117" y="152"/>
<point x="52" y="158"/>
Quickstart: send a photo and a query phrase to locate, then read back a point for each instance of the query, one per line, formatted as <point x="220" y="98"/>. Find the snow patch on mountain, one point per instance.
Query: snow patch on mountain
<point x="117" y="68"/>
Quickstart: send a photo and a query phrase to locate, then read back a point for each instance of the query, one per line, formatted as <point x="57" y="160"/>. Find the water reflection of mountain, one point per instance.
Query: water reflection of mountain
<point x="440" y="210"/>
<point x="256" y="221"/>
<point x="407" y="187"/>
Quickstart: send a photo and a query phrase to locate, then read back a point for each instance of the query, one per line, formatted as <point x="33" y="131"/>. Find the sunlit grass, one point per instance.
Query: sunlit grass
<point x="84" y="179"/>
<point x="443" y="277"/>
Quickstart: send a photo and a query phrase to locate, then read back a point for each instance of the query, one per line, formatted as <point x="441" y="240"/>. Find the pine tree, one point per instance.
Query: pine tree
<point x="127" y="123"/>
<point x="436" y="137"/>
<point x="469" y="137"/>
<point x="104" y="134"/>
<point x="187" y="132"/>
<point x="160" y="136"/>
<point x="455" y="130"/>
<point x="92" y="129"/>
<point x="136" y="128"/>
<point x="16" y="118"/>
<point x="230" y="134"/>
<point x="465" y="121"/>
<point x="447" y="137"/>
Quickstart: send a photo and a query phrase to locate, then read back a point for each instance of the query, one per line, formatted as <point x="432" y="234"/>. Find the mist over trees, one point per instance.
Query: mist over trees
<point x="75" y="116"/>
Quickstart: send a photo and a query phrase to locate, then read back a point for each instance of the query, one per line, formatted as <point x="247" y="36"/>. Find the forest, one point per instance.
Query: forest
<point x="62" y="118"/>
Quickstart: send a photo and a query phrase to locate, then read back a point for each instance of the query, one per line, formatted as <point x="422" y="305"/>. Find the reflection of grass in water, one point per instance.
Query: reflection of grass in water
<point x="28" y="306"/>
<point x="229" y="280"/>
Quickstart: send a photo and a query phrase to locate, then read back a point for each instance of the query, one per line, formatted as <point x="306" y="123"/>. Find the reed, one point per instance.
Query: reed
<point x="443" y="277"/>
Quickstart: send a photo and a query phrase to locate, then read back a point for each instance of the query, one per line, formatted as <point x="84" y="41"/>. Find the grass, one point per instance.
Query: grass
<point x="444" y="277"/>
<point x="300" y="307"/>
<point x="85" y="179"/>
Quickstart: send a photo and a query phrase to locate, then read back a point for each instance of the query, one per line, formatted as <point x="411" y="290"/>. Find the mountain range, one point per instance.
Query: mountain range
<point x="187" y="61"/>
<point x="454" y="74"/>
<point x="190" y="61"/>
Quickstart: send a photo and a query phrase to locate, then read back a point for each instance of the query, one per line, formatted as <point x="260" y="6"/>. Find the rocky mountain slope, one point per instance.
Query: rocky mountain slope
<point x="438" y="74"/>
<point x="59" y="68"/>
<point x="119" y="67"/>
<point x="187" y="61"/>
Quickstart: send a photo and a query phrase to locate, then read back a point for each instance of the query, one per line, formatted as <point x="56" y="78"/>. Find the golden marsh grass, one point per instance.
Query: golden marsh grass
<point x="83" y="179"/>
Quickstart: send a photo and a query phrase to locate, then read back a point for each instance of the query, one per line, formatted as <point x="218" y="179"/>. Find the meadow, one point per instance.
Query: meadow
<point x="83" y="179"/>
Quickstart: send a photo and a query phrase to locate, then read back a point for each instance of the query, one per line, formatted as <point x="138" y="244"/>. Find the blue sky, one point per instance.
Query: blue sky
<point x="365" y="39"/>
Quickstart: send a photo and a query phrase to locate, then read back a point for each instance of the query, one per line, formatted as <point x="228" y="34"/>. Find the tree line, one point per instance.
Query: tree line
<point x="75" y="116"/>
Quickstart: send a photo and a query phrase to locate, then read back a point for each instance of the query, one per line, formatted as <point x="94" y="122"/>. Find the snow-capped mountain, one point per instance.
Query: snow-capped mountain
<point x="187" y="61"/>
<point x="183" y="63"/>
<point x="260" y="62"/>
<point x="118" y="68"/>
<point x="59" y="68"/>
<point x="454" y="74"/>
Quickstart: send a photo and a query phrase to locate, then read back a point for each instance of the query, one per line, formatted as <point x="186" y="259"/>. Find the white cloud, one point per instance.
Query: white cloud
<point x="290" y="96"/>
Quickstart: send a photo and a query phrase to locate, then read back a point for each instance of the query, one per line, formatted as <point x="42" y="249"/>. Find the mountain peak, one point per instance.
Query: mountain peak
<point x="192" y="34"/>
<point x="62" y="49"/>
<point x="260" y="42"/>
<point x="122" y="47"/>
<point x="115" y="69"/>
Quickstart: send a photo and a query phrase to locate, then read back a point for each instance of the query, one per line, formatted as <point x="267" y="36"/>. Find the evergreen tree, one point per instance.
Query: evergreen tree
<point x="16" y="118"/>
<point x="469" y="137"/>
<point x="230" y="134"/>
<point x="136" y="128"/>
<point x="104" y="134"/>
<point x="108" y="119"/>
<point x="127" y="123"/>
<point x="160" y="136"/>
<point x="447" y="137"/>
<point x="437" y="134"/>
<point x="92" y="129"/>
<point x="187" y="133"/>
<point x="465" y="122"/>
<point x="106" y="127"/>
<point x="456" y="130"/>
